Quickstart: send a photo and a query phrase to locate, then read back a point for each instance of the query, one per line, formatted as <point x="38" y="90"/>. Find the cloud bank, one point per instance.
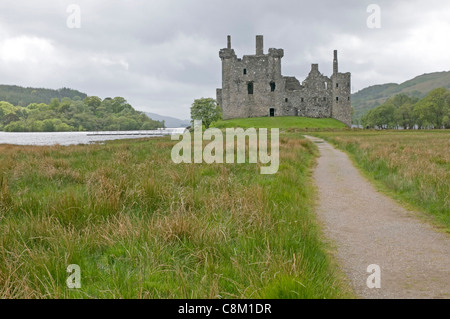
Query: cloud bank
<point x="161" y="55"/>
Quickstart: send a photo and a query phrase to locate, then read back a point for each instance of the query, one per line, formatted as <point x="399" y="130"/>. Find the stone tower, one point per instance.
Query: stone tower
<point x="341" y="109"/>
<point x="253" y="86"/>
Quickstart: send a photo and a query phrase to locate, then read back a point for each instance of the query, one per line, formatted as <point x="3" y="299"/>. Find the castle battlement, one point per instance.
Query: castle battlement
<point x="253" y="86"/>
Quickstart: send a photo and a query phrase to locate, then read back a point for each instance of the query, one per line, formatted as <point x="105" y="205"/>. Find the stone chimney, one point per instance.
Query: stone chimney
<point x="335" y="63"/>
<point x="259" y="45"/>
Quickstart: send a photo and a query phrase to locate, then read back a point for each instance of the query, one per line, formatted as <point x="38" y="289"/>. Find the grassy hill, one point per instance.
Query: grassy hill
<point x="371" y="97"/>
<point x="22" y="96"/>
<point x="281" y="122"/>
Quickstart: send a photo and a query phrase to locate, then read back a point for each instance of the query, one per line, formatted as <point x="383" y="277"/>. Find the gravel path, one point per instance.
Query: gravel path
<point x="367" y="227"/>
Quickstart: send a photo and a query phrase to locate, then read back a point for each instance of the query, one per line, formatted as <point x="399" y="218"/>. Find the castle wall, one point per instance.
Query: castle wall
<point x="318" y="96"/>
<point x="341" y="108"/>
<point x="261" y="71"/>
<point x="310" y="99"/>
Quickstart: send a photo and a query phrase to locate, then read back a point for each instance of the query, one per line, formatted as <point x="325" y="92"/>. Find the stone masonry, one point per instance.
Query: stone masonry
<point x="254" y="87"/>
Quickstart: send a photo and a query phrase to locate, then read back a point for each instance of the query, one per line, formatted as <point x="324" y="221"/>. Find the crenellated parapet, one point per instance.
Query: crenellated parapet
<point x="276" y="53"/>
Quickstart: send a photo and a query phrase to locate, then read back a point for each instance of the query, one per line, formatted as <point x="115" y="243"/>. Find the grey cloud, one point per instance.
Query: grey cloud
<point x="161" y="55"/>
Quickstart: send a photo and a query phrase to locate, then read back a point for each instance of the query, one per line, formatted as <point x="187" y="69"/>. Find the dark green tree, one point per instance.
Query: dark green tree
<point x="93" y="102"/>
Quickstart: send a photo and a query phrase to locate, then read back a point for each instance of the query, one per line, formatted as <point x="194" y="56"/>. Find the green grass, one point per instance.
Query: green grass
<point x="140" y="226"/>
<point x="285" y="122"/>
<point x="412" y="166"/>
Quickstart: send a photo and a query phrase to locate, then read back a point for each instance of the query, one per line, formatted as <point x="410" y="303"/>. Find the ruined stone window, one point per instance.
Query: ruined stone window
<point x="302" y="100"/>
<point x="272" y="86"/>
<point x="250" y="88"/>
<point x="348" y="98"/>
<point x="326" y="85"/>
<point x="272" y="112"/>
<point x="337" y="85"/>
<point x="286" y="99"/>
<point x="245" y="71"/>
<point x="337" y="98"/>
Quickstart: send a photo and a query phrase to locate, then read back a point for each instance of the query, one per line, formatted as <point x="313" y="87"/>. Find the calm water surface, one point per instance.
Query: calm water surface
<point x="73" y="138"/>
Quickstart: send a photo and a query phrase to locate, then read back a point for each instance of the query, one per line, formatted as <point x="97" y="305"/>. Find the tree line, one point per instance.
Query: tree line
<point x="402" y="111"/>
<point x="66" y="114"/>
<point x="22" y="96"/>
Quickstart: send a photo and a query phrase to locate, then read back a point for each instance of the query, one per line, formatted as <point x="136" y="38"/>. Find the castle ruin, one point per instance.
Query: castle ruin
<point x="254" y="87"/>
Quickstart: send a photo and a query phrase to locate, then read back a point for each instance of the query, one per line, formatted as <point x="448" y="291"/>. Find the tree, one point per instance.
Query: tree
<point x="11" y="117"/>
<point x="446" y="121"/>
<point x="93" y="102"/>
<point x="432" y="111"/>
<point x="206" y="110"/>
<point x="48" y="125"/>
<point x="90" y="113"/>
<point x="404" y="116"/>
<point x="153" y="125"/>
<point x="54" y="103"/>
<point x="119" y="104"/>
<point x="434" y="107"/>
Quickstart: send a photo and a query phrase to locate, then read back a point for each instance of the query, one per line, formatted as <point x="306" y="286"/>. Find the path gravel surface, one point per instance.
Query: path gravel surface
<point x="369" y="228"/>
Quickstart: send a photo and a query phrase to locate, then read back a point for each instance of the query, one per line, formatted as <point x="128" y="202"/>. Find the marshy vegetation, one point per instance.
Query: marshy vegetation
<point x="140" y="226"/>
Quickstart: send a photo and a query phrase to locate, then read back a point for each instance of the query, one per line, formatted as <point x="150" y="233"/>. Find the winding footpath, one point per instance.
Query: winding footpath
<point x="366" y="228"/>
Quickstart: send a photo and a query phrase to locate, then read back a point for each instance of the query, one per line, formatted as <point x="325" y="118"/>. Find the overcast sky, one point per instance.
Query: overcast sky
<point x="161" y="55"/>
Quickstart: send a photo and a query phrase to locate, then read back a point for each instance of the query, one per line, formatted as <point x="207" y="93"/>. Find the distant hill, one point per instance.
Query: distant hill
<point x="168" y="121"/>
<point x="22" y="96"/>
<point x="420" y="86"/>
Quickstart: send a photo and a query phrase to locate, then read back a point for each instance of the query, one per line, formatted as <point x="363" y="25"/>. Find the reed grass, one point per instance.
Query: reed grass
<point x="140" y="226"/>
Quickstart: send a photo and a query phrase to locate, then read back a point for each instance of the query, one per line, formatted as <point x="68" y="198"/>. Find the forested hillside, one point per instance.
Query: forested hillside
<point x="21" y="96"/>
<point x="88" y="114"/>
<point x="430" y="112"/>
<point x="373" y="96"/>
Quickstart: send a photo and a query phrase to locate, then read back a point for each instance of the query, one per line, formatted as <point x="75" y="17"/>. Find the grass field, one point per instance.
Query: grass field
<point x="140" y="226"/>
<point x="413" y="166"/>
<point x="282" y="123"/>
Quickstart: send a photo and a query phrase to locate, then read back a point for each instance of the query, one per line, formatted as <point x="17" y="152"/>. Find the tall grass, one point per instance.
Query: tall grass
<point x="140" y="226"/>
<point x="413" y="166"/>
